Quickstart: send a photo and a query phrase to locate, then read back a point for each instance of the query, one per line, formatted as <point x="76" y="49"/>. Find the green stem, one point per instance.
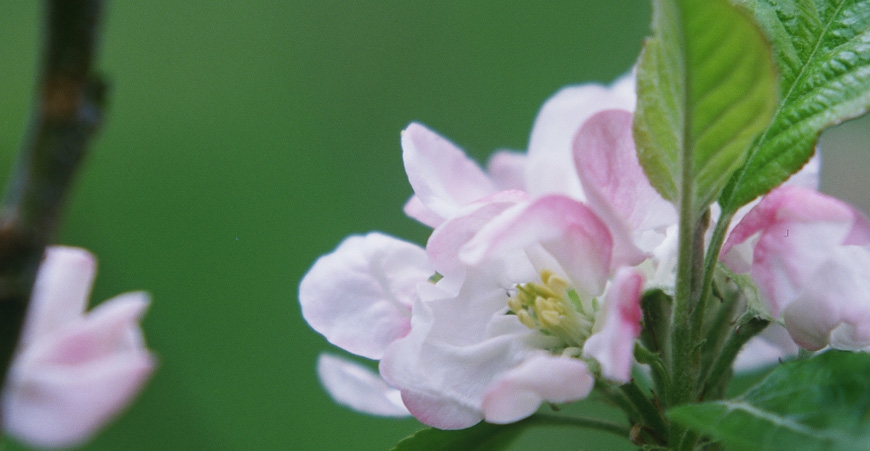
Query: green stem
<point x="582" y="422"/>
<point x="682" y="386"/>
<point x="67" y="113"/>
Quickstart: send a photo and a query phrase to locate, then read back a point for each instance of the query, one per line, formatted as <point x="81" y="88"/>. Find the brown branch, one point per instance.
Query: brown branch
<point x="67" y="113"/>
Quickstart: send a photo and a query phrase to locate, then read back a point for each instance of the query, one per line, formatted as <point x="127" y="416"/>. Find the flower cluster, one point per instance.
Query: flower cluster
<point x="73" y="371"/>
<point x="529" y="287"/>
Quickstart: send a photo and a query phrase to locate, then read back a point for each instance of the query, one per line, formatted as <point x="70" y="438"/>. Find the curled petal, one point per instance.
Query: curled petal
<point x="613" y="345"/>
<point x="359" y="296"/>
<point x="540" y="378"/>
<point x="443" y="177"/>
<point x="564" y="227"/>
<point x="61" y="291"/>
<point x="550" y="166"/>
<point x="359" y="388"/>
<point x="67" y="384"/>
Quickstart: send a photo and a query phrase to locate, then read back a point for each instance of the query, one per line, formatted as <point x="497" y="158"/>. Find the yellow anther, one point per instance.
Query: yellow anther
<point x="550" y="319"/>
<point x="526" y="319"/>
<point x="515" y="305"/>
<point x="558" y="285"/>
<point x="557" y="304"/>
<point x="548" y="306"/>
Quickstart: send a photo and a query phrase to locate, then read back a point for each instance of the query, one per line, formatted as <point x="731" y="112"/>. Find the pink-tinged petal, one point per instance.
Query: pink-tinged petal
<point x="507" y="169"/>
<point x="355" y="386"/>
<point x="613" y="344"/>
<point x="798" y="229"/>
<point x="550" y="166"/>
<point x="61" y="292"/>
<point x="540" y="378"/>
<point x="416" y="210"/>
<point x="67" y="384"/>
<point x="359" y="296"/>
<point x="568" y="230"/>
<point x="443" y="177"/>
<point x="446" y="241"/>
<point x="612" y="178"/>
<point x="833" y="309"/>
<point x="767" y="348"/>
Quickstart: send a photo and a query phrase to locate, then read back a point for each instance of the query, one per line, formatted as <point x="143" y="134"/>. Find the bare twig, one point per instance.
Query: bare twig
<point x="67" y="113"/>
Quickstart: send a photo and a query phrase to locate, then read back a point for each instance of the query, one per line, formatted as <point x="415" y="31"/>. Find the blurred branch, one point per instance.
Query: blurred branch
<point x="67" y="113"/>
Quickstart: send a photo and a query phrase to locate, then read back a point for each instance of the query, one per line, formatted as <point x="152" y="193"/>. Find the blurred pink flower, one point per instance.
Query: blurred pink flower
<point x="74" y="371"/>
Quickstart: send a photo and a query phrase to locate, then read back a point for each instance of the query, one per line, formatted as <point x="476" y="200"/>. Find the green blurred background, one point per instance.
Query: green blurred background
<point x="245" y="139"/>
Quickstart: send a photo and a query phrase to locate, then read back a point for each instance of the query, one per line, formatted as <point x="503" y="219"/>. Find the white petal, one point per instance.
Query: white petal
<point x="540" y="378"/>
<point x="451" y="356"/>
<point x="359" y="296"/>
<point x="359" y="388"/>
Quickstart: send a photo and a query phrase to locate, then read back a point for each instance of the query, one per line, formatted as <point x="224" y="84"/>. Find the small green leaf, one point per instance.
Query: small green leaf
<point x="822" y="50"/>
<point x="706" y="88"/>
<point x="821" y="403"/>
<point x="483" y="437"/>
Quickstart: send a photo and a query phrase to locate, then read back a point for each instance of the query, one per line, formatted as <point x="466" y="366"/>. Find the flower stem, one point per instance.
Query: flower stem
<point x="67" y="113"/>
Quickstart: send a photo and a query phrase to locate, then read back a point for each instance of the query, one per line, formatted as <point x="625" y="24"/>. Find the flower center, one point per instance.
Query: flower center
<point x="555" y="308"/>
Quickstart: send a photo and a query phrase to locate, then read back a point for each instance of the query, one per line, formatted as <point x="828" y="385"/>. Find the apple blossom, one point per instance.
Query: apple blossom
<point x="73" y="371"/>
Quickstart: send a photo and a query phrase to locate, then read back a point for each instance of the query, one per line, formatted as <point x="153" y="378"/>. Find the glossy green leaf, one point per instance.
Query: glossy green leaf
<point x="706" y="88"/>
<point x="822" y="51"/>
<point x="818" y="404"/>
<point x="482" y="437"/>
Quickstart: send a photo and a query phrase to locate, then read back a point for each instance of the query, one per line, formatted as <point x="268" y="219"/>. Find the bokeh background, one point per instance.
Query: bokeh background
<point x="245" y="139"/>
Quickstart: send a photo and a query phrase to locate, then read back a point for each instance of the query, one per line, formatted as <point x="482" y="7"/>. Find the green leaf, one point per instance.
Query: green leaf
<point x="483" y="437"/>
<point x="706" y="88"/>
<point x="822" y="50"/>
<point x="821" y="403"/>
